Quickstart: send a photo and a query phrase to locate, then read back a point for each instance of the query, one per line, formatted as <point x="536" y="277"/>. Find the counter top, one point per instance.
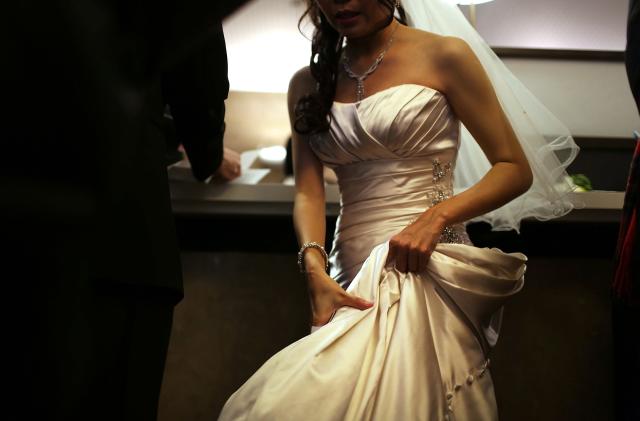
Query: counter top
<point x="191" y="198"/>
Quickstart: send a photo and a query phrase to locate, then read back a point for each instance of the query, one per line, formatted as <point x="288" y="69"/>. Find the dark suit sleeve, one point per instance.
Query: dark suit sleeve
<point x="632" y="57"/>
<point x="195" y="89"/>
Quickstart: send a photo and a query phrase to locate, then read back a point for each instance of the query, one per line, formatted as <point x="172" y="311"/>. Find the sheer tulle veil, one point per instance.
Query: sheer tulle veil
<point x="545" y="140"/>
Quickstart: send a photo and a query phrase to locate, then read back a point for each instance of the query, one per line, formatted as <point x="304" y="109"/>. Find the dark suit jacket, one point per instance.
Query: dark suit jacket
<point x="84" y="183"/>
<point x="632" y="56"/>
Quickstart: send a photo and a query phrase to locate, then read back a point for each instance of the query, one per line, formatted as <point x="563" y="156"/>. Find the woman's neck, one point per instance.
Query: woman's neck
<point x="371" y="44"/>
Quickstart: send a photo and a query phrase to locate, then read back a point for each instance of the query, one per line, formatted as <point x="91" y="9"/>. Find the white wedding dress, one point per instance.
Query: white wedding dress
<point x="421" y="352"/>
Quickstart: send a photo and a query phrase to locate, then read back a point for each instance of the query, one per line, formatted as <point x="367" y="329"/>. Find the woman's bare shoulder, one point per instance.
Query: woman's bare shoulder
<point x="434" y="56"/>
<point x="422" y="39"/>
<point x="437" y="47"/>
<point x="453" y="52"/>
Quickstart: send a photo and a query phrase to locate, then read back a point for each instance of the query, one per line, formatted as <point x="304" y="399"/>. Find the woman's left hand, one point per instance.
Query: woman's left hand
<point x="412" y="247"/>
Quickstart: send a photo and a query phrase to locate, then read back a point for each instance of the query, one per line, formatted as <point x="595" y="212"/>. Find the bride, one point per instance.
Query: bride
<point x="405" y="319"/>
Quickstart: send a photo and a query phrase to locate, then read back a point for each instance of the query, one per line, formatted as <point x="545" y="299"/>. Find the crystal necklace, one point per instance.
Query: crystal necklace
<point x="360" y="78"/>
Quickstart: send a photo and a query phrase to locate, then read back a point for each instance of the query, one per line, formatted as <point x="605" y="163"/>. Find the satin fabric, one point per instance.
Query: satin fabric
<point x="421" y="352"/>
<point x="418" y="354"/>
<point x="382" y="150"/>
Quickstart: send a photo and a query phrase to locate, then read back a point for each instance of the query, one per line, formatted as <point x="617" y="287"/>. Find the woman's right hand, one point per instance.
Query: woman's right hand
<point x="326" y="297"/>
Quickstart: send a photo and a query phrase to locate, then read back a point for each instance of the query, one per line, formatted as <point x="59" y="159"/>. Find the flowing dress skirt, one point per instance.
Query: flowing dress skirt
<point x="420" y="353"/>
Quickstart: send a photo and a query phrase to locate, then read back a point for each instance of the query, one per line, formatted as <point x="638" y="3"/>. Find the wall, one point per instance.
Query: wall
<point x="256" y="119"/>
<point x="564" y="24"/>
<point x="591" y="98"/>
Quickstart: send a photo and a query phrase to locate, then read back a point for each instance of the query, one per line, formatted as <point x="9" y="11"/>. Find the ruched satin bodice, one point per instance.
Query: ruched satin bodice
<point x="404" y="121"/>
<point x="394" y="154"/>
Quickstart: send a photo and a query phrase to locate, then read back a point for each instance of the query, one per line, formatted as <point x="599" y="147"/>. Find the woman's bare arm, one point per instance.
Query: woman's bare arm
<point x="471" y="96"/>
<point x="474" y="101"/>
<point x="325" y="295"/>
<point x="309" y="203"/>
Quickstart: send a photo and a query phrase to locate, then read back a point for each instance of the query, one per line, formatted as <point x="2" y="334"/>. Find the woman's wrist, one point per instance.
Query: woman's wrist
<point x="439" y="216"/>
<point x="315" y="269"/>
<point x="315" y="281"/>
<point x="302" y="259"/>
<point x="314" y="261"/>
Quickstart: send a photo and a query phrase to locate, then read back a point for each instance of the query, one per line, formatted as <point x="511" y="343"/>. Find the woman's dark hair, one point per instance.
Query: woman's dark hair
<point x="312" y="111"/>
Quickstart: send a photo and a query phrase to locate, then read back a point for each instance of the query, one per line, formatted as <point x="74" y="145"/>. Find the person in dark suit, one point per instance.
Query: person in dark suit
<point x="93" y="271"/>
<point x="626" y="282"/>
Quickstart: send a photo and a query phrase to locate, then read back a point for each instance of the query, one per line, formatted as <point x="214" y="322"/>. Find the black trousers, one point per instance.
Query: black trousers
<point x="81" y="350"/>
<point x="130" y="337"/>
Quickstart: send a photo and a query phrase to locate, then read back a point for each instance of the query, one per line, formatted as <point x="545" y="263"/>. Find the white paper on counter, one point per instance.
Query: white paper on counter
<point x="250" y="176"/>
<point x="181" y="171"/>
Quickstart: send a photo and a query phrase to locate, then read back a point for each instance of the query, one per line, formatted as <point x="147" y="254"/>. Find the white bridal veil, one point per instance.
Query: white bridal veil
<point x="545" y="140"/>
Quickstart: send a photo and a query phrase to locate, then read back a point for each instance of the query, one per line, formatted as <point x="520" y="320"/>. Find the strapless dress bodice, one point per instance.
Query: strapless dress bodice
<point x="394" y="154"/>
<point x="404" y="121"/>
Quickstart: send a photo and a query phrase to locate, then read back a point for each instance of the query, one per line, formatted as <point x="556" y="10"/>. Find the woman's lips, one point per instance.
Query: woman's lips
<point x="347" y="17"/>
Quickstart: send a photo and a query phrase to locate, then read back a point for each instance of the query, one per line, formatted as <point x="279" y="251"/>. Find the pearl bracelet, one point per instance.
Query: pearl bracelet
<point x="312" y="244"/>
